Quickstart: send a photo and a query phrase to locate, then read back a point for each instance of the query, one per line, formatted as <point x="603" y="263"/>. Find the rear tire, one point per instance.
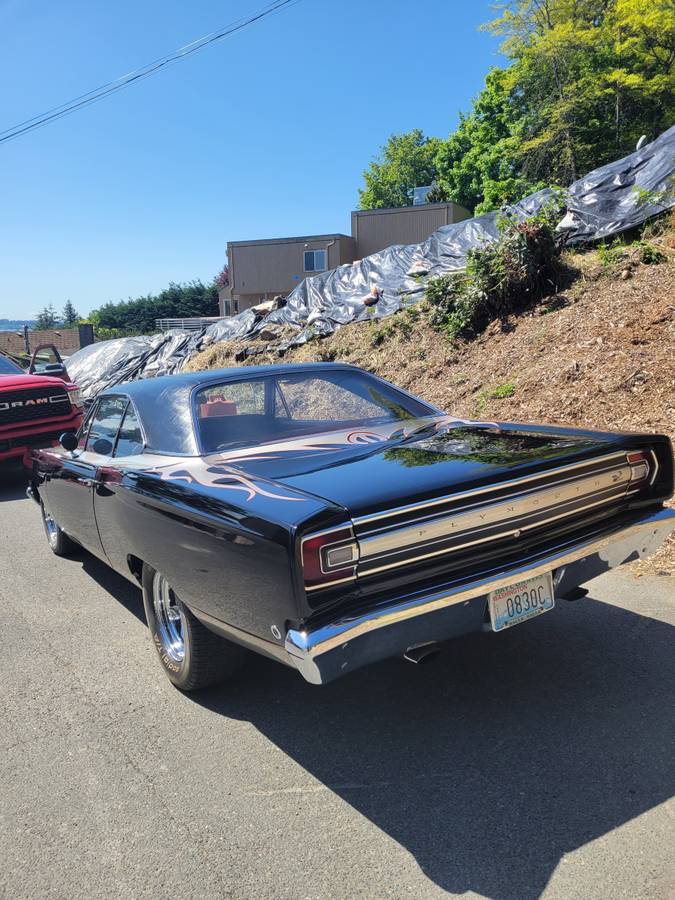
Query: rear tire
<point x="59" y="542"/>
<point x="192" y="656"/>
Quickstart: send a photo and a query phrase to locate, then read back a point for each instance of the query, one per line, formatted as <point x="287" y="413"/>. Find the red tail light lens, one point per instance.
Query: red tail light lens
<point x="639" y="466"/>
<point x="329" y="557"/>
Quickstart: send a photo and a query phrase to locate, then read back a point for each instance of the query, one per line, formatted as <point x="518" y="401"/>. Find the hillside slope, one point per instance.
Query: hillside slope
<point x="601" y="354"/>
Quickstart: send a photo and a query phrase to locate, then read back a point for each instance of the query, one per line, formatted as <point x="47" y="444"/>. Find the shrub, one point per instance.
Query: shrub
<point x="522" y="265"/>
<point x="612" y="253"/>
<point x="649" y="254"/>
<point x="502" y="391"/>
<point x="380" y="333"/>
<point x="138" y="316"/>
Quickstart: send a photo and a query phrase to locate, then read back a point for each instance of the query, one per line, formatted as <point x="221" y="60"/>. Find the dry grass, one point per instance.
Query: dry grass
<point x="601" y="354"/>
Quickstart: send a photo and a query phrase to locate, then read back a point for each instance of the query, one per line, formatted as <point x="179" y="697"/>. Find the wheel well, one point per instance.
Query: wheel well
<point x="135" y="567"/>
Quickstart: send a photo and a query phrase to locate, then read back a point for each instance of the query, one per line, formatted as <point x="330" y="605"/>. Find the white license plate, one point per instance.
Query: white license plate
<point x="521" y="601"/>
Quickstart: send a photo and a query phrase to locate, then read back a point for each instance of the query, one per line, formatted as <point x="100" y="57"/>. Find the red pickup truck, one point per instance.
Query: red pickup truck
<point x="35" y="409"/>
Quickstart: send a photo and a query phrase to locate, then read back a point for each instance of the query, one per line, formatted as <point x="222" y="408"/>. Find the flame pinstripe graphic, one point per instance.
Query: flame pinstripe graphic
<point x="338" y="441"/>
<point x="218" y="476"/>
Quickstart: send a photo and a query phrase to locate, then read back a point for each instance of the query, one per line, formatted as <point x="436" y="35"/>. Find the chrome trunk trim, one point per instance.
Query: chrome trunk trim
<point x="605" y="487"/>
<point x="410" y="560"/>
<point x="516" y="483"/>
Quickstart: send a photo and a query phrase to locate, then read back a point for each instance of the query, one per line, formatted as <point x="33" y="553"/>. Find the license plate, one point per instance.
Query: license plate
<point x="521" y="601"/>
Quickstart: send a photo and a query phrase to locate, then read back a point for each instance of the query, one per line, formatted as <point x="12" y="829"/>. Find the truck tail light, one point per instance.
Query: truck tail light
<point x="639" y="466"/>
<point x="329" y="557"/>
<point x="75" y="397"/>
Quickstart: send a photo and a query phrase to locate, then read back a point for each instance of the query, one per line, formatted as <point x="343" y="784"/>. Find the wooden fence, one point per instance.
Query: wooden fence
<point x="66" y="340"/>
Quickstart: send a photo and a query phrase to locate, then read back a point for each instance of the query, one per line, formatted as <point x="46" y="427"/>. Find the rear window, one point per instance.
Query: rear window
<point x="258" y="410"/>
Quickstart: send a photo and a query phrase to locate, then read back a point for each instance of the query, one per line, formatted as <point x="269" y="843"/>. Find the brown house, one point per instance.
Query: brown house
<point x="260" y="270"/>
<point x="375" y="229"/>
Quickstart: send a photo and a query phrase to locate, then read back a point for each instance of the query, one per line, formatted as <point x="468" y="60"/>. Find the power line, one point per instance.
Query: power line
<point x="104" y="90"/>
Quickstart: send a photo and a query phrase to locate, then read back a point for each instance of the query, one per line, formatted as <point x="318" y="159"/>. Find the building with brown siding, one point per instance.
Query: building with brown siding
<point x="261" y="270"/>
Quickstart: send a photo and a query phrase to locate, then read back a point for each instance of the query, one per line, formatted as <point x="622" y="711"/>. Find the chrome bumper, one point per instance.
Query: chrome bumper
<point x="332" y="650"/>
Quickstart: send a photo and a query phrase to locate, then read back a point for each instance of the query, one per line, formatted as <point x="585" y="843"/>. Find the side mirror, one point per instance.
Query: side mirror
<point x="54" y="369"/>
<point x="102" y="446"/>
<point x="69" y="441"/>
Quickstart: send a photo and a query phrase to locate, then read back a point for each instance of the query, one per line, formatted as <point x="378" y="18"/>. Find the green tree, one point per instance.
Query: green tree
<point x="478" y="164"/>
<point x="590" y="76"/>
<point x="70" y="315"/>
<point x="405" y="162"/>
<point x="586" y="79"/>
<point x="137" y="316"/>
<point x="46" y="319"/>
<point x="642" y="86"/>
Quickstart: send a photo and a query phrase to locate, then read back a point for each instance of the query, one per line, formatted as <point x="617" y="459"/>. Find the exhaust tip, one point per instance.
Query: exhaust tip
<point x="422" y="653"/>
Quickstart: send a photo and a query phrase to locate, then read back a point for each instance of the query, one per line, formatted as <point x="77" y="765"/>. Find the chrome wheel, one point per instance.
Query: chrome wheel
<point x="170" y="618"/>
<point x="52" y="530"/>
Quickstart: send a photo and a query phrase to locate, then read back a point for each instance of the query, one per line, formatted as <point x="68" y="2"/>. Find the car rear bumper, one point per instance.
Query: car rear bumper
<point x="331" y="650"/>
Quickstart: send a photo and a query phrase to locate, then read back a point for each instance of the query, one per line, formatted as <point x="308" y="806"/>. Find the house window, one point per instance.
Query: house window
<point x="315" y="260"/>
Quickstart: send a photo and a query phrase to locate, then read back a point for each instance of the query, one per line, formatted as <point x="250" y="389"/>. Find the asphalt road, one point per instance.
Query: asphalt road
<point x="539" y="762"/>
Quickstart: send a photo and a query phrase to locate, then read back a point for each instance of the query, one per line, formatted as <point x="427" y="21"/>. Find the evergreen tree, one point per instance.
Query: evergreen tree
<point x="46" y="319"/>
<point x="138" y="316"/>
<point x="70" y="315"/>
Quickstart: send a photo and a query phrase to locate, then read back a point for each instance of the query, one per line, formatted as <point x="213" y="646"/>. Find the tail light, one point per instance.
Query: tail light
<point x="75" y="396"/>
<point x="640" y="469"/>
<point x="329" y="557"/>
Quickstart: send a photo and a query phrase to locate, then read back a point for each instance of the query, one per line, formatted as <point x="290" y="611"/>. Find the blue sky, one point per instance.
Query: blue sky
<point x="265" y="134"/>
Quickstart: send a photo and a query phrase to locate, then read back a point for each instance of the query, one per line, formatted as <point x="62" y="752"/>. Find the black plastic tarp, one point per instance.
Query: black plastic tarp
<point x="607" y="201"/>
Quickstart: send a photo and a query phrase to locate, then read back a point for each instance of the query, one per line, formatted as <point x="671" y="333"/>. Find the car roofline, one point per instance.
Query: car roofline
<point x="232" y="373"/>
<point x="175" y="393"/>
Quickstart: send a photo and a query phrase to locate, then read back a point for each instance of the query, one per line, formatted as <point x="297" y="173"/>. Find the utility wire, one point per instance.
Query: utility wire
<point x="104" y="90"/>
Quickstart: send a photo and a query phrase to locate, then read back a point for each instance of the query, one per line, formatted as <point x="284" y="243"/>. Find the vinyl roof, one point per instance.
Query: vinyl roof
<point x="154" y="386"/>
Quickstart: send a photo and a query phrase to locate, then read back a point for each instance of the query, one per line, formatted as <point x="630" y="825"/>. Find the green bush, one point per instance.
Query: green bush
<point x="380" y="333"/>
<point x="616" y="251"/>
<point x="138" y="316"/>
<point x="522" y="265"/>
<point x="611" y="253"/>
<point x="502" y="391"/>
<point x="649" y="254"/>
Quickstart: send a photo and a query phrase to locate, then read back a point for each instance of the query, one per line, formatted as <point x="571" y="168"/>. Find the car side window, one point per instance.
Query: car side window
<point x="83" y="430"/>
<point x="130" y="441"/>
<point x="105" y="423"/>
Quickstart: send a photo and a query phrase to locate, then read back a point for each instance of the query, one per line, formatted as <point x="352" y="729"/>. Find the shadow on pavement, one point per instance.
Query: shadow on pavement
<point x="492" y="763"/>
<point x="13" y="482"/>
<point x="116" y="585"/>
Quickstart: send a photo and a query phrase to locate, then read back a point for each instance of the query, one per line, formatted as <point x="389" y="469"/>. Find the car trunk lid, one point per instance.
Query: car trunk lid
<point x="450" y="458"/>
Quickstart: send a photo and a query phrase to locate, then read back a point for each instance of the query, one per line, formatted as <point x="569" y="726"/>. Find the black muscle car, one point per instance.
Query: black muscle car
<point x="323" y="517"/>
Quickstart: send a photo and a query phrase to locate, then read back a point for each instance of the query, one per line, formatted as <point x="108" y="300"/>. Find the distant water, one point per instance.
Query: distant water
<point x="15" y="324"/>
